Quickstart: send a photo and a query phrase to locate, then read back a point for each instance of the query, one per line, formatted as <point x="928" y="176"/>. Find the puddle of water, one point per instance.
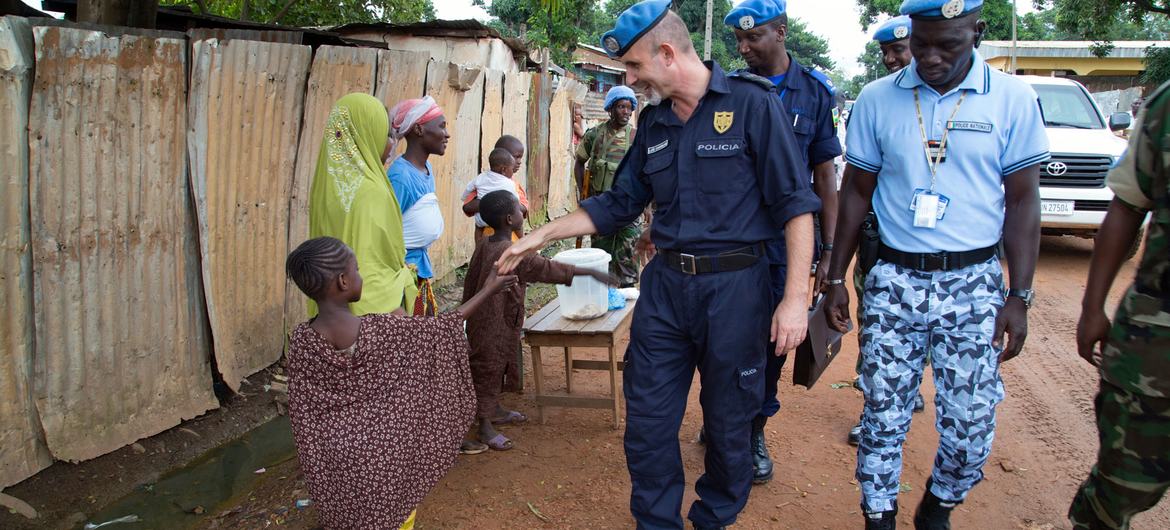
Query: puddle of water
<point x="223" y="474"/>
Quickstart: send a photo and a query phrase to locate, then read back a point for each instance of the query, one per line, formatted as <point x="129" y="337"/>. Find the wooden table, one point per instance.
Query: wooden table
<point x="549" y="330"/>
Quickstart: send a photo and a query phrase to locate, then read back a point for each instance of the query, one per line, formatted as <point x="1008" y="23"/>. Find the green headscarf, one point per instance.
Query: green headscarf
<point x="351" y="199"/>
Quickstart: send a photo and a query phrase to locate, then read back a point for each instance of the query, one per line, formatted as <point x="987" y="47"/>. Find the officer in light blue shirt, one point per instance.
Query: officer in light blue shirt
<point x="958" y="146"/>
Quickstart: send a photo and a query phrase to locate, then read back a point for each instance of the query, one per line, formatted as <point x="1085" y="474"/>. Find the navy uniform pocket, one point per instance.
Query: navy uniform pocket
<point x="721" y="164"/>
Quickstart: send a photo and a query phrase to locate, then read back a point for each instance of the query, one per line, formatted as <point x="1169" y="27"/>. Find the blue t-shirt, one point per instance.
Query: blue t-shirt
<point x="410" y="186"/>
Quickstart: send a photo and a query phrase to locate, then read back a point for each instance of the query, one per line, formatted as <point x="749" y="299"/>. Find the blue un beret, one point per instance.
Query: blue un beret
<point x="619" y="93"/>
<point x="752" y="13"/>
<point x="632" y="24"/>
<point x="939" y="9"/>
<point x="894" y="29"/>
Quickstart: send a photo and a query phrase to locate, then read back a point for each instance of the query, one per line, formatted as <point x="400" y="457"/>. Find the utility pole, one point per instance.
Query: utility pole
<point x="707" y="35"/>
<point x="1015" y="15"/>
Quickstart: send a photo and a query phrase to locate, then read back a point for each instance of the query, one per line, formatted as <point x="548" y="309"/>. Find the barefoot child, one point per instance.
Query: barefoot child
<point x="494" y="332"/>
<point x="497" y="178"/>
<point x="378" y="403"/>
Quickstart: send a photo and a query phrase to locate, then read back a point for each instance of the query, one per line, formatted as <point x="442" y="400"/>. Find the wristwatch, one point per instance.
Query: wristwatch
<point x="1026" y="295"/>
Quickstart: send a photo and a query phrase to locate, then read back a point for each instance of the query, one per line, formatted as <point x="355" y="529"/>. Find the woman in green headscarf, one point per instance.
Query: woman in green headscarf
<point x="351" y="200"/>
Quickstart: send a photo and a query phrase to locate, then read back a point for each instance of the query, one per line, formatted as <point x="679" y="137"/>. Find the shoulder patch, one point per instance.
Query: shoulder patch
<point x="821" y="78"/>
<point x="760" y="81"/>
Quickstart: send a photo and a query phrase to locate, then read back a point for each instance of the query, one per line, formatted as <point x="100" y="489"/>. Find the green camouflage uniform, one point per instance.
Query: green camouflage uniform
<point x="602" y="149"/>
<point x="1133" y="405"/>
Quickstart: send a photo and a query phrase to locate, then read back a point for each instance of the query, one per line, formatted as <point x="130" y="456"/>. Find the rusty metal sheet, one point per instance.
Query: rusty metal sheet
<point x="493" y="110"/>
<point x="516" y="88"/>
<point x="245" y="113"/>
<point x="459" y="90"/>
<point x="540" y="98"/>
<point x="401" y="75"/>
<point x="287" y="37"/>
<point x="22" y="450"/>
<point x="121" y="340"/>
<point x="336" y="71"/>
<point x="562" y="187"/>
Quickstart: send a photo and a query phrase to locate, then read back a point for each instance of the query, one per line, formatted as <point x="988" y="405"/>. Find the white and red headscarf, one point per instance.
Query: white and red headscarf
<point x="408" y="113"/>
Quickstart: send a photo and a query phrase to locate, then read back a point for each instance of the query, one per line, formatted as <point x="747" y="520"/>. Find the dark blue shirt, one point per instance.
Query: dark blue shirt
<point x="732" y="175"/>
<point x="807" y="96"/>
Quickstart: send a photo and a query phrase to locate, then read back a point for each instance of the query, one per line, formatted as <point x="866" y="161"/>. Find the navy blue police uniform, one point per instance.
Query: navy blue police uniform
<point x="807" y="95"/>
<point x="722" y="183"/>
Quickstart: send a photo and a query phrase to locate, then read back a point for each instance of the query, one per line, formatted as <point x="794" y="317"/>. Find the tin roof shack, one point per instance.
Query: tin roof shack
<point x="466" y="42"/>
<point x="599" y="73"/>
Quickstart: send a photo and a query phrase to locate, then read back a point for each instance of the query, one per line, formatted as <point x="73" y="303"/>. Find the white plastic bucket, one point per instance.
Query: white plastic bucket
<point x="587" y="298"/>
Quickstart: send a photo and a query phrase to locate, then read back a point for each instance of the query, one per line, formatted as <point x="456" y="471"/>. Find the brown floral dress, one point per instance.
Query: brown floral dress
<point x="377" y="425"/>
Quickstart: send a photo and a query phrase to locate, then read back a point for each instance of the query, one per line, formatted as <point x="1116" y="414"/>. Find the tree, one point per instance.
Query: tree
<point x="997" y="14"/>
<point x="556" y="24"/>
<point x="807" y="47"/>
<point x="314" y="12"/>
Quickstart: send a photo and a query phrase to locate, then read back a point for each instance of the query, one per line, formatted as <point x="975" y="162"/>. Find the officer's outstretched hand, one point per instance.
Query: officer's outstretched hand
<point x="837" y="307"/>
<point x="1013" y="319"/>
<point x="789" y="324"/>
<point x="516" y="253"/>
<point x="1092" y="330"/>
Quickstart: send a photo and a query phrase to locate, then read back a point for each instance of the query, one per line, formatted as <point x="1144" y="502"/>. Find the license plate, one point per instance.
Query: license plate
<point x="1056" y="207"/>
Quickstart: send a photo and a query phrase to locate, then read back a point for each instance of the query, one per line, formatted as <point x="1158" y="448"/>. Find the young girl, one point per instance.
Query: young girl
<point x="378" y="403"/>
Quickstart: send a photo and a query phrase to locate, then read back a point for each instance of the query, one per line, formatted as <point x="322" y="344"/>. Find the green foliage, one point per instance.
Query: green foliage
<point x="873" y="69"/>
<point x="314" y="12"/>
<point x="997" y="14"/>
<point x="1157" y="66"/>
<point x="1044" y="25"/>
<point x="556" y="24"/>
<point x="809" y="48"/>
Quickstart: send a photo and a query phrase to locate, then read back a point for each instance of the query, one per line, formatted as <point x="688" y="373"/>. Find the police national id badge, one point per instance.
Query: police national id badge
<point x="929" y="208"/>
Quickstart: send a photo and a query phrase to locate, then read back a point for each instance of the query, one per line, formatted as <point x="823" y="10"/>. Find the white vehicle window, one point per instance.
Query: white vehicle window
<point x="1067" y="106"/>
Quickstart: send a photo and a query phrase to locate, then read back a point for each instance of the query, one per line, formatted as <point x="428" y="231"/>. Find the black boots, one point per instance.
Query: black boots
<point x="761" y="461"/>
<point x="933" y="513"/>
<point x="881" y="520"/>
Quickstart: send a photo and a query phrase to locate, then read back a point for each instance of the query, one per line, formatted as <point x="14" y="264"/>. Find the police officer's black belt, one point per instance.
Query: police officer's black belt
<point x="732" y="260"/>
<point x="936" y="261"/>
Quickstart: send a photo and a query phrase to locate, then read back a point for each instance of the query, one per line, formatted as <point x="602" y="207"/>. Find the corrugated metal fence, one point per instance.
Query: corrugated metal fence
<point x="147" y="208"/>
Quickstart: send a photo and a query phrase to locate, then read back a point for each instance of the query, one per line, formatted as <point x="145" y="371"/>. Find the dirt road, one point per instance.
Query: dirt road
<point x="570" y="473"/>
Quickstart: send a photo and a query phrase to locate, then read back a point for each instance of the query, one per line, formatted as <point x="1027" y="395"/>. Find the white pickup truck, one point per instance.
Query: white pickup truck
<point x="1073" y="195"/>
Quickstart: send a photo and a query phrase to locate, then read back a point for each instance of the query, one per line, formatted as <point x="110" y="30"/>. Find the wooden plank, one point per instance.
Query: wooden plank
<point x="24" y="452"/>
<point x="560" y="340"/>
<point x="611" y="321"/>
<point x="549" y="309"/>
<point x="122" y="350"/>
<point x="244" y="113"/>
<point x="583" y="364"/>
<point x="493" y="121"/>
<point x="458" y="89"/>
<point x="336" y="71"/>
<point x="560" y="399"/>
<point x="401" y="75"/>
<point x="517" y="85"/>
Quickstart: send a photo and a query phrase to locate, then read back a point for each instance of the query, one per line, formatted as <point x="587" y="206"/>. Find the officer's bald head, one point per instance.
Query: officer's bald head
<point x="670" y="30"/>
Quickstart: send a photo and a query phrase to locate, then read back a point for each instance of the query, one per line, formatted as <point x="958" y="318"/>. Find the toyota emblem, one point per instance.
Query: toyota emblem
<point x="1057" y="169"/>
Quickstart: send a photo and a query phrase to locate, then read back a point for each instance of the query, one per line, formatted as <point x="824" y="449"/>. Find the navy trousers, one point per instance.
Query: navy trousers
<point x="717" y="323"/>
<point x="779" y="274"/>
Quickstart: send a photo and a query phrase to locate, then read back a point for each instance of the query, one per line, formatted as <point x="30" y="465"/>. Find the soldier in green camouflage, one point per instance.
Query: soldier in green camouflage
<point x="601" y="151"/>
<point x="1133" y="404"/>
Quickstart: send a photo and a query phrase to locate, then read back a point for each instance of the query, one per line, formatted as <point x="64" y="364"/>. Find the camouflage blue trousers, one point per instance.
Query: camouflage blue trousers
<point x="949" y="315"/>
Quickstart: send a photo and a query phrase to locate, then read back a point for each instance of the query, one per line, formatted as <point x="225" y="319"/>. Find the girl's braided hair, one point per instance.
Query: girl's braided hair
<point x="315" y="263"/>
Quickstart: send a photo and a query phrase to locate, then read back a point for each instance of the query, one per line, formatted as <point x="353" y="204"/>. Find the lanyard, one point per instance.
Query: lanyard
<point x="942" y="145"/>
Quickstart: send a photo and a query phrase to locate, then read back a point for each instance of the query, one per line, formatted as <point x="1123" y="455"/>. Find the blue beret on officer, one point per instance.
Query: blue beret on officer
<point x="752" y="13"/>
<point x="895" y="29"/>
<point x="939" y="9"/>
<point x="619" y="93"/>
<point x="634" y="22"/>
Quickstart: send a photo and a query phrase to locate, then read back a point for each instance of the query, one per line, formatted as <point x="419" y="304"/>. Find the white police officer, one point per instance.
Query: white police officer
<point x="715" y="156"/>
